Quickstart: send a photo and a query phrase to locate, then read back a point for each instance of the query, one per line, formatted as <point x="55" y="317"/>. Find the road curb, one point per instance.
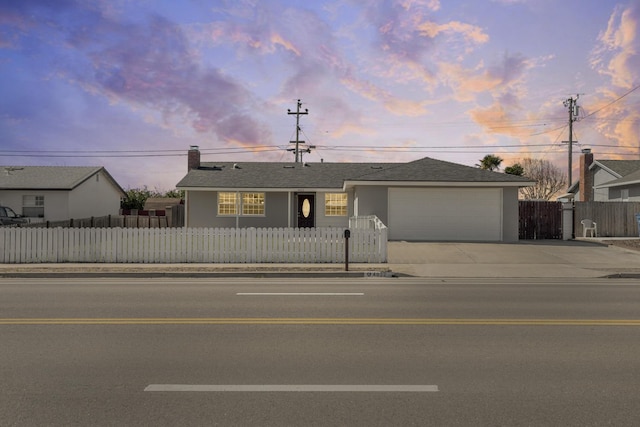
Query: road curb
<point x="208" y="274"/>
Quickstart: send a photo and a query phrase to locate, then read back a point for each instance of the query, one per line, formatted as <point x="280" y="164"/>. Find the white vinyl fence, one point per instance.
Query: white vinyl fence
<point x="190" y="245"/>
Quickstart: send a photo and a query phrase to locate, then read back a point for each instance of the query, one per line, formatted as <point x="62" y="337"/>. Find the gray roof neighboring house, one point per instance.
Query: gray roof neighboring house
<point x="298" y="176"/>
<point x="618" y="168"/>
<point x="161" y="203"/>
<point x="49" y="177"/>
<point x="629" y="179"/>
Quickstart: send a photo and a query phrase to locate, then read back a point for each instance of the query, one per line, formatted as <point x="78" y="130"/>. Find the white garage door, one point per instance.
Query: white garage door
<point x="463" y="214"/>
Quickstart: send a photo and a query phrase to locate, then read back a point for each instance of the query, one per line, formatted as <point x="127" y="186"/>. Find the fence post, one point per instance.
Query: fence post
<point x="567" y="220"/>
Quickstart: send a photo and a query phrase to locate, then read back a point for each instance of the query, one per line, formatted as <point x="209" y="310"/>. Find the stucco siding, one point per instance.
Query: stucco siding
<point x="322" y="220"/>
<point x="510" y="214"/>
<point x="202" y="211"/>
<point x="94" y="197"/>
<point x="13" y="199"/>
<point x="372" y="201"/>
<point x="56" y="203"/>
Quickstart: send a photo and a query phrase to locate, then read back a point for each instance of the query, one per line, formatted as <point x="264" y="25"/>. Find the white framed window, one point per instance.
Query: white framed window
<point x="624" y="195"/>
<point x="227" y="204"/>
<point x="252" y="203"/>
<point x="33" y="206"/>
<point x="246" y="204"/>
<point x="335" y="204"/>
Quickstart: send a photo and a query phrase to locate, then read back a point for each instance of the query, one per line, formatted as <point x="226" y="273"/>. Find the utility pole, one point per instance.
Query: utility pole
<point x="297" y="141"/>
<point x="573" y="108"/>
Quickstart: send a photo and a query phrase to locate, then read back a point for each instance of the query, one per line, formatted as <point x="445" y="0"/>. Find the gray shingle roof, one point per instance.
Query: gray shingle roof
<point x="46" y="177"/>
<point x="334" y="175"/>
<point x="432" y="170"/>
<point x="621" y="167"/>
<point x="629" y="179"/>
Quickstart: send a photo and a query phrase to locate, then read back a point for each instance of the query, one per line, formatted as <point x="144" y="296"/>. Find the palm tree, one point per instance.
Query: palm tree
<point x="490" y="162"/>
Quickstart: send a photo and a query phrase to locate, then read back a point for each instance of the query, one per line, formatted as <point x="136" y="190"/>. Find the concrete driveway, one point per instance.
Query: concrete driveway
<point x="548" y="258"/>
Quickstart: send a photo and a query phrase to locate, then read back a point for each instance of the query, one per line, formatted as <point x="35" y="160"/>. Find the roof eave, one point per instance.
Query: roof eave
<point x="350" y="183"/>
<point x="617" y="184"/>
<point x="601" y="166"/>
<point x="262" y="189"/>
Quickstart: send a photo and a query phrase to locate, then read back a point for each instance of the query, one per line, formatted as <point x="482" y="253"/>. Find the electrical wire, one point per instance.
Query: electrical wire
<point x="611" y="103"/>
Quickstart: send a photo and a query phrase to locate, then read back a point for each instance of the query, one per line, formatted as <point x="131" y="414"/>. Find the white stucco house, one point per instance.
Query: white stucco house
<point x="53" y="193"/>
<point x="422" y="200"/>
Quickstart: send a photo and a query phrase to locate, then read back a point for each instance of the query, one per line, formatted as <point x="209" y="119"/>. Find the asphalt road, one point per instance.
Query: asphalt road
<point x="319" y="352"/>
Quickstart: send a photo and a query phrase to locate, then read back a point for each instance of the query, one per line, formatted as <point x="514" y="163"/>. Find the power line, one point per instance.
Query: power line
<point x="268" y="148"/>
<point x="611" y="103"/>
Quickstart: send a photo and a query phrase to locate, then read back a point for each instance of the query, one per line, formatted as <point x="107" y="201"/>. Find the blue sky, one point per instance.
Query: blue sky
<point x="131" y="84"/>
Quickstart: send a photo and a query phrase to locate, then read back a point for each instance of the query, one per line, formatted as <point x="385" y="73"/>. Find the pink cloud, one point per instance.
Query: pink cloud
<point x="504" y="76"/>
<point x="616" y="54"/>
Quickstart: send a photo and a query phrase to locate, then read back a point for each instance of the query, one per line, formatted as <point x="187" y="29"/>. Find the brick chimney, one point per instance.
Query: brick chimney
<point x="193" y="159"/>
<point x="586" y="176"/>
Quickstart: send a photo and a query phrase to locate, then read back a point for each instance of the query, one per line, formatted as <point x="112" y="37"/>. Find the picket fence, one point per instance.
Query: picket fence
<point x="190" y="245"/>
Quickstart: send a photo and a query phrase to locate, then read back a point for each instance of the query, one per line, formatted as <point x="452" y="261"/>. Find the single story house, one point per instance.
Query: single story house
<point x="426" y="199"/>
<point x="54" y="193"/>
<point x="607" y="180"/>
<point x="161" y="203"/>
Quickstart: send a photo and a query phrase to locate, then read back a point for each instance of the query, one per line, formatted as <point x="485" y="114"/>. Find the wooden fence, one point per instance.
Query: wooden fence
<point x="190" y="245"/>
<point x="614" y="219"/>
<point x="540" y="220"/>
<point x="173" y="216"/>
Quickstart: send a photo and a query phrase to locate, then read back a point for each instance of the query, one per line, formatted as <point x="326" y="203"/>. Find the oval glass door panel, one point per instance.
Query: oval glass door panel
<point x="306" y="208"/>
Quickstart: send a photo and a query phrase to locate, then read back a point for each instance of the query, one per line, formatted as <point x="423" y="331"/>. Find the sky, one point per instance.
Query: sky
<point x="132" y="84"/>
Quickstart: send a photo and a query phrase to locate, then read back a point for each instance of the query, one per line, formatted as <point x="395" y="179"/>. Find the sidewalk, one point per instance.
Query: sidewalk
<point x="581" y="258"/>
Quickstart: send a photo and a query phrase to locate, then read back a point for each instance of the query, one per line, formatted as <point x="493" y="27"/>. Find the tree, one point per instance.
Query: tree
<point x="515" y="169"/>
<point x="135" y="198"/>
<point x="490" y="162"/>
<point x="550" y="180"/>
<point x="174" y="194"/>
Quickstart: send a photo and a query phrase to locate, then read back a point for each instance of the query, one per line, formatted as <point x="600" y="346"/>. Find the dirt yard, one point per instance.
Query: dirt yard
<point x="627" y="244"/>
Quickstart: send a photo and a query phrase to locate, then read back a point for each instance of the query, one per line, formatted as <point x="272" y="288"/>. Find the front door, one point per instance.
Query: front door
<point x="306" y="210"/>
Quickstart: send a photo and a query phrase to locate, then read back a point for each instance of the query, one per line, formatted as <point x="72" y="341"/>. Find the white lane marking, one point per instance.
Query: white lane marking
<point x="293" y="387"/>
<point x="300" y="293"/>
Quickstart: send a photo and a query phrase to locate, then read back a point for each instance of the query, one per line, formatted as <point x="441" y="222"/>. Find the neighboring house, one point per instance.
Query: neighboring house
<point x="607" y="180"/>
<point x="161" y="203"/>
<point x="53" y="193"/>
<point x="426" y="199"/>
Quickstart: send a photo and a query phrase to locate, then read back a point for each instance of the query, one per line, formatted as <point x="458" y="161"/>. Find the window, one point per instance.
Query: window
<point x="227" y="204"/>
<point x="252" y="203"/>
<point x="335" y="204"/>
<point x="33" y="206"/>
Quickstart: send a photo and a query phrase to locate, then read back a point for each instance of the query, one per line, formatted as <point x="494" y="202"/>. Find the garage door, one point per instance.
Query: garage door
<point x="449" y="214"/>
